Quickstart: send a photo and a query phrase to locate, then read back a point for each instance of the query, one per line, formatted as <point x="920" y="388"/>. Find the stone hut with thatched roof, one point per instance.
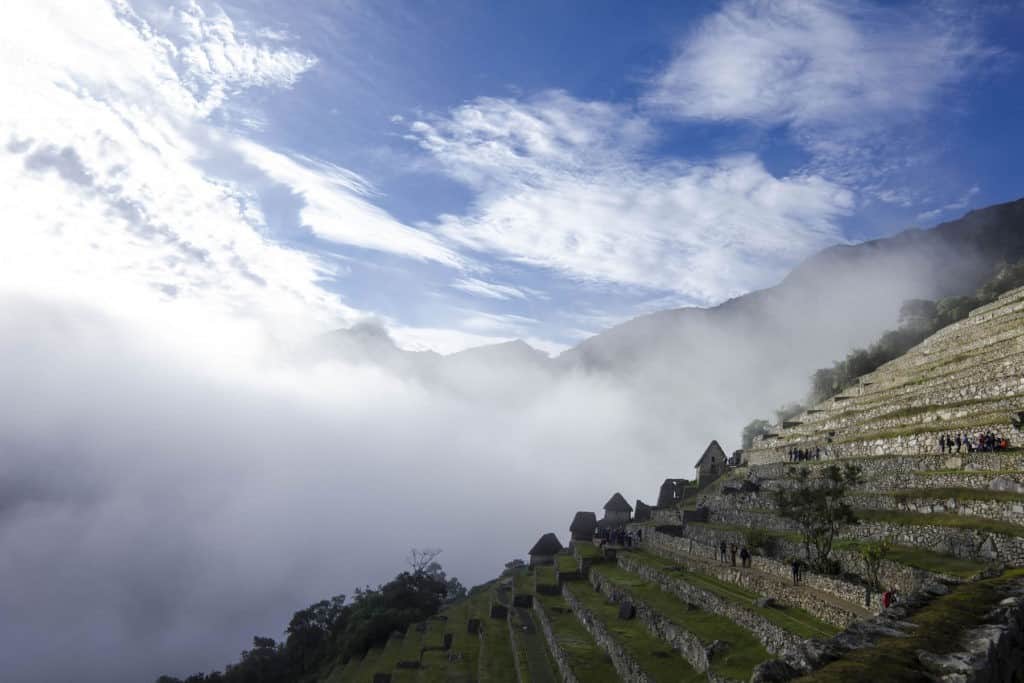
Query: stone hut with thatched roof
<point x="545" y="549"/>
<point x="583" y="526"/>
<point x="616" y="511"/>
<point x="711" y="465"/>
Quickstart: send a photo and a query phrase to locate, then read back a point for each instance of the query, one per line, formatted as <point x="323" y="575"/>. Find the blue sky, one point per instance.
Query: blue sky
<point x="468" y="172"/>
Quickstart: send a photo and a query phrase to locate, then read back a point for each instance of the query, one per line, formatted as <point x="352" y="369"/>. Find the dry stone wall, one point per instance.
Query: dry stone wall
<point x="681" y="640"/>
<point x="626" y="666"/>
<point x="775" y="639"/>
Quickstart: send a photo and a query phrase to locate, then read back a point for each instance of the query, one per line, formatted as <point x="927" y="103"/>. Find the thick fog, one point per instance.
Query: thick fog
<point x="171" y="488"/>
<point x="162" y="502"/>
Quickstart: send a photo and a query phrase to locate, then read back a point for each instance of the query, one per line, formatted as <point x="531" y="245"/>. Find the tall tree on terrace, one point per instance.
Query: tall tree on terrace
<point x="817" y="505"/>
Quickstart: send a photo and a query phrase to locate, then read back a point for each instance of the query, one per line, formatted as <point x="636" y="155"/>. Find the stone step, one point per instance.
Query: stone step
<point x="710" y="642"/>
<point x="635" y="654"/>
<point x="577" y="655"/>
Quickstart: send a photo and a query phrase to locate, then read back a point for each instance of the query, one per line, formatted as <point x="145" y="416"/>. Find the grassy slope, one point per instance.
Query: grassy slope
<point x="744" y="652"/>
<point x="940" y="625"/>
<point x="588" y="662"/>
<point x="792" y="619"/>
<point x="652" y="654"/>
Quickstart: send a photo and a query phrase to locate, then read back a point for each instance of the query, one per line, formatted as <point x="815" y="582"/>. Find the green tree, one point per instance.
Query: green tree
<point x="873" y="553"/>
<point x="818" y="506"/>
<point x="753" y="430"/>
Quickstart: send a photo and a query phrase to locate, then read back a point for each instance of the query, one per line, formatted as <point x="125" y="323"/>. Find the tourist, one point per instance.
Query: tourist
<point x="732" y="554"/>
<point x="796" y="571"/>
<point x="942" y="443"/>
<point x="958" y="442"/>
<point x="721" y="551"/>
<point x="744" y="557"/>
<point x="886" y="599"/>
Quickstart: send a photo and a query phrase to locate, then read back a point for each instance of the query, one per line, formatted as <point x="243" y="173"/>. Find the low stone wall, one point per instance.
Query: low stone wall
<point x="681" y="640"/>
<point x="1001" y="511"/>
<point x="967" y="544"/>
<point x="629" y="669"/>
<point x="702" y="543"/>
<point x="774" y="638"/>
<point x="557" y="653"/>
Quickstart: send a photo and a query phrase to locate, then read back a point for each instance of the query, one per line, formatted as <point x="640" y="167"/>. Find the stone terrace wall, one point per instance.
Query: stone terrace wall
<point x="686" y="643"/>
<point x="628" y="668"/>
<point x="968" y="544"/>
<point x="559" y="655"/>
<point x="774" y="585"/>
<point x="1001" y="511"/>
<point x="775" y="639"/>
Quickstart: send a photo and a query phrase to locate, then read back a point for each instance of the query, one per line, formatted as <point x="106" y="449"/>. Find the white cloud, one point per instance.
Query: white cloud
<point x="335" y="208"/>
<point x="491" y="290"/>
<point x="563" y="184"/>
<point x="214" y="61"/>
<point x="811" y="63"/>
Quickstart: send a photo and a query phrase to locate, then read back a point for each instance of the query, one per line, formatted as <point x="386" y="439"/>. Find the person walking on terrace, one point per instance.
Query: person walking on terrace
<point x="796" y="571"/>
<point x="942" y="443"/>
<point x="744" y="557"/>
<point x="958" y="442"/>
<point x="732" y="554"/>
<point x="721" y="551"/>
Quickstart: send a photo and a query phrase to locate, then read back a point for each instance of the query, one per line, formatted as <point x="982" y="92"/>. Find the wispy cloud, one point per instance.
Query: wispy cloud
<point x="812" y="63"/>
<point x="566" y="185"/>
<point x="490" y="290"/>
<point x="962" y="203"/>
<point x="335" y="206"/>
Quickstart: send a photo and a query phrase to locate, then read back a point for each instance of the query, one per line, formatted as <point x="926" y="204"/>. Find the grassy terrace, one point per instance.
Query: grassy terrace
<point x="652" y="654"/>
<point x="367" y="667"/>
<point x="498" y="665"/>
<point x="566" y="563"/>
<point x="940" y="625"/>
<point x="588" y="661"/>
<point x="744" y="652"/>
<point x="522" y="582"/>
<point x="908" y="555"/>
<point x="792" y="619"/>
<point x="943" y="519"/>
<point x="545" y="576"/>
<point x="587" y="551"/>
<point x="960" y="493"/>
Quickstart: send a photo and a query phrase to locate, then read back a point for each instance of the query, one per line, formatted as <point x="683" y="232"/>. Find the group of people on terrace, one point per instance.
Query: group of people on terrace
<point x="804" y="454"/>
<point x="985" y="441"/>
<point x="618" y="536"/>
<point x="745" y="557"/>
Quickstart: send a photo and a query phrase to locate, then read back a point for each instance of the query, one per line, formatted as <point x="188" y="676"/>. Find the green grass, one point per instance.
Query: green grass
<point x="923" y="559"/>
<point x="653" y="655"/>
<point x="792" y="619"/>
<point x="944" y="519"/>
<point x="545" y="576"/>
<point x="588" y="661"/>
<point x="960" y="493"/>
<point x="498" y="665"/>
<point x="367" y="667"/>
<point x="587" y="550"/>
<point x="566" y="564"/>
<point x="522" y="583"/>
<point x="912" y="557"/>
<point x="939" y="628"/>
<point x="744" y="652"/>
